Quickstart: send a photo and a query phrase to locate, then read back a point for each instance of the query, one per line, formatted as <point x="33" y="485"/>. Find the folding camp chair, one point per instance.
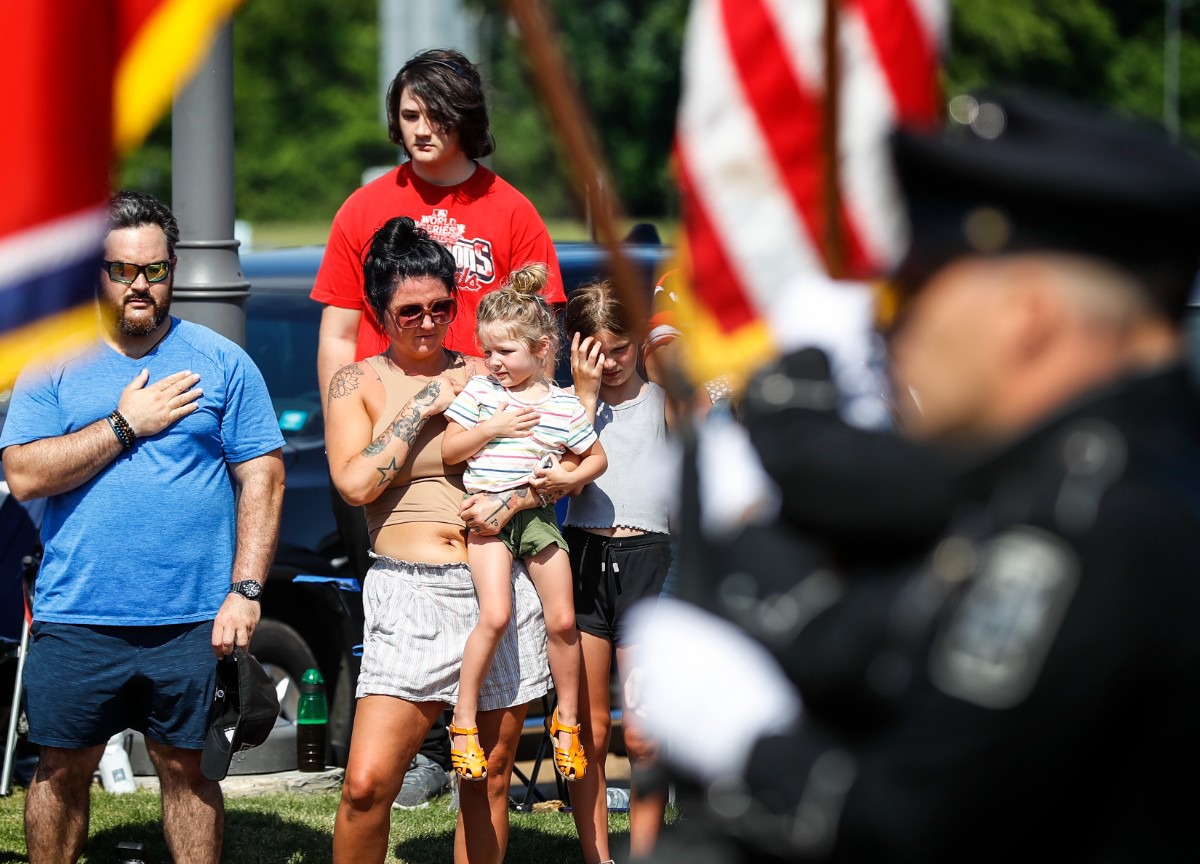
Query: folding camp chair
<point x="10" y="743"/>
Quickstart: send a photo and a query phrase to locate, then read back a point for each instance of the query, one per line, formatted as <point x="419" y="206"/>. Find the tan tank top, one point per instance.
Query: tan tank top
<point x="425" y="489"/>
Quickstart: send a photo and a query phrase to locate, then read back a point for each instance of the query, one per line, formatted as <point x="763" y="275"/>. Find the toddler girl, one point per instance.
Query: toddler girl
<point x="506" y="425"/>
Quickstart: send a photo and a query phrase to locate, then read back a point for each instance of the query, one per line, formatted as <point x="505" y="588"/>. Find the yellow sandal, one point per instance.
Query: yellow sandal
<point x="570" y="763"/>
<point x="469" y="764"/>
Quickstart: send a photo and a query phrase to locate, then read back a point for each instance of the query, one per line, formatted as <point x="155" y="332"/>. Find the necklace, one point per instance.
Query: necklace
<point x="452" y="361"/>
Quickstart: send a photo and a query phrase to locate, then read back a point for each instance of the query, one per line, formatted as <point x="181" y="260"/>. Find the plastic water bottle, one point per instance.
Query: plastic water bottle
<point x="116" y="774"/>
<point x="618" y="799"/>
<point x="312" y="721"/>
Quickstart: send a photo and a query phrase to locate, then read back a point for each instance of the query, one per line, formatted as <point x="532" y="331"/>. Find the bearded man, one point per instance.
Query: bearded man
<point x="158" y="452"/>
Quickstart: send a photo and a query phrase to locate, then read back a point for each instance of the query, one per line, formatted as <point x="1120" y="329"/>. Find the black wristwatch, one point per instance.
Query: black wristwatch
<point x="248" y="588"/>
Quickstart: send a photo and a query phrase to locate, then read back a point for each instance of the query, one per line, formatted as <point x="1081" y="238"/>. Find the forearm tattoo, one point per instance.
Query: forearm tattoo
<point x="405" y="427"/>
<point x="345" y="381"/>
<point x="507" y="500"/>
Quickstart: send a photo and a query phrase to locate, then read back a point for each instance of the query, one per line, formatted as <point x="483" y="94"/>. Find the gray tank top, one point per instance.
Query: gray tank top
<point x="634" y="436"/>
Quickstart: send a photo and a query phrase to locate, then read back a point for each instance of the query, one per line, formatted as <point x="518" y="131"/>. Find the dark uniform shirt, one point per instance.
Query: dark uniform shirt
<point x="1027" y="685"/>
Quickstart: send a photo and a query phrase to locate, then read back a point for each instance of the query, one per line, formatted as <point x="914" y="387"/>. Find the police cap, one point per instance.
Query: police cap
<point x="1025" y="173"/>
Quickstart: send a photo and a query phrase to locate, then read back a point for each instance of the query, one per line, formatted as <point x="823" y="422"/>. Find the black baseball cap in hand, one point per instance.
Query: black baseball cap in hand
<point x="243" y="713"/>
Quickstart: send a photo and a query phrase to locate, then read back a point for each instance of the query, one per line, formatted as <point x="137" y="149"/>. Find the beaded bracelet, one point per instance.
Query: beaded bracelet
<point x="121" y="428"/>
<point x="123" y="425"/>
<point x="117" y="432"/>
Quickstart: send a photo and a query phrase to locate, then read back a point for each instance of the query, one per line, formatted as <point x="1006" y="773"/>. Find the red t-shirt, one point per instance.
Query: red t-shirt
<point x="489" y="226"/>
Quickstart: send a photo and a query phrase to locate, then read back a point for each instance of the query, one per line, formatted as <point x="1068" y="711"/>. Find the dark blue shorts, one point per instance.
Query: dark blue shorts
<point x="83" y="684"/>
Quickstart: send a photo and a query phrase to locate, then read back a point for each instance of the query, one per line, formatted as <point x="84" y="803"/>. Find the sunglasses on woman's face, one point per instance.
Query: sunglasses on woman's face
<point x="413" y="314"/>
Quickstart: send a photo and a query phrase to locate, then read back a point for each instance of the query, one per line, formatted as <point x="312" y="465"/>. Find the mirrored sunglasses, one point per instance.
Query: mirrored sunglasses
<point x="126" y="273"/>
<point x="413" y="314"/>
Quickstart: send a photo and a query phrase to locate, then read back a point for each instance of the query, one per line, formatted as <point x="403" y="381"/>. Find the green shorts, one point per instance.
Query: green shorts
<point x="530" y="531"/>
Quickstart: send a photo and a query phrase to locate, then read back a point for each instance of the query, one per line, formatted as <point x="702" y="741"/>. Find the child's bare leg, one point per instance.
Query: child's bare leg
<point x="647" y="808"/>
<point x="589" y="803"/>
<point x="491" y="571"/>
<point x="550" y="571"/>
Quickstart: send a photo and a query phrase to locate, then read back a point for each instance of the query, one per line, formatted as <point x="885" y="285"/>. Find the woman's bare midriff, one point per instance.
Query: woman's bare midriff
<point x="617" y="531"/>
<point x="423" y="542"/>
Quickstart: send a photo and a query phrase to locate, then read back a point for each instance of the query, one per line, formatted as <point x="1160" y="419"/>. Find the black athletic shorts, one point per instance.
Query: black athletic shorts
<point x="611" y="574"/>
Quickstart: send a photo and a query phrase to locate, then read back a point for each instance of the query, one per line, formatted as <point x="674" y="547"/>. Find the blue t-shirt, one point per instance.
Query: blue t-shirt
<point x="149" y="540"/>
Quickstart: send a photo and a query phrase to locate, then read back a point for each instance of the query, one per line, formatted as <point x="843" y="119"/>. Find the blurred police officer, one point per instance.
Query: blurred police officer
<point x="1009" y="667"/>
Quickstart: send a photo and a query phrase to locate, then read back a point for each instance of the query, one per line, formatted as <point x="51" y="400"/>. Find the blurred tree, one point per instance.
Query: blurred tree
<point x="308" y="114"/>
<point x="1107" y="52"/>
<point x="625" y="57"/>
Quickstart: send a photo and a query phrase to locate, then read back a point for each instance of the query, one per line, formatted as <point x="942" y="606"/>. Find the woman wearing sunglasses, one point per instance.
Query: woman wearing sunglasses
<point x="383" y="433"/>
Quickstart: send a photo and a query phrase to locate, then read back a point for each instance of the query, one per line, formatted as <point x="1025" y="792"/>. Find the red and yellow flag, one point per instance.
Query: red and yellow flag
<point x="161" y="44"/>
<point x="85" y="79"/>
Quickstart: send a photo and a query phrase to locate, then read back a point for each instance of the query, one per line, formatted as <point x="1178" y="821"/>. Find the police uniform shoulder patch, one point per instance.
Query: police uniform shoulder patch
<point x="990" y="650"/>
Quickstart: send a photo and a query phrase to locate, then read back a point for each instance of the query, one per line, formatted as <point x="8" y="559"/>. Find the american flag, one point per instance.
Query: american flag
<point x="751" y="159"/>
<point x="84" y="79"/>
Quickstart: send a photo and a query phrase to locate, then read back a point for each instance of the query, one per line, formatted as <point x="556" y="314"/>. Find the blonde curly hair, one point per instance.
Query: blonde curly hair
<point x="518" y="311"/>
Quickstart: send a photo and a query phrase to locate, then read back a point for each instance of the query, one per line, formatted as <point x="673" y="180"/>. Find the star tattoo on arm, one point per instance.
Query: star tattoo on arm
<point x="387" y="472"/>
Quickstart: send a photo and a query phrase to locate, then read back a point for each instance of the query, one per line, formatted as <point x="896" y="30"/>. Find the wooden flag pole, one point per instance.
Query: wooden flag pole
<point x="567" y="116"/>
<point x="834" y="239"/>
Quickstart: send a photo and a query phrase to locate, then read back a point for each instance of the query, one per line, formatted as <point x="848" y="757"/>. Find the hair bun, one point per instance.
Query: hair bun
<point x="396" y="237"/>
<point x="529" y="280"/>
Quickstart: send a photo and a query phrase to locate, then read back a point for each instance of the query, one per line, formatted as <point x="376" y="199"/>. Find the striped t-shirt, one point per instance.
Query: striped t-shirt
<point x="506" y="463"/>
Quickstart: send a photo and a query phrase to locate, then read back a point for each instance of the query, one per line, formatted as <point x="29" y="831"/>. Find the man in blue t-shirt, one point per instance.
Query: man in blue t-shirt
<point x="158" y="452"/>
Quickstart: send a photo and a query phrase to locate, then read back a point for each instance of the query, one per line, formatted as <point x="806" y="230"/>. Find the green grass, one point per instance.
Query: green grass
<point x="298" y="829"/>
<point x="270" y="235"/>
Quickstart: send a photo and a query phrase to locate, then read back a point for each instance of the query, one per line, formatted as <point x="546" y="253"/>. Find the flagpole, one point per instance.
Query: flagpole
<point x="570" y="122"/>
<point x="834" y="239"/>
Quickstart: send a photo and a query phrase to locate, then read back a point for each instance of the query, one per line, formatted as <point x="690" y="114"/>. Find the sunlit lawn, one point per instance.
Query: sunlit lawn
<point x="267" y="235"/>
<point x="298" y="828"/>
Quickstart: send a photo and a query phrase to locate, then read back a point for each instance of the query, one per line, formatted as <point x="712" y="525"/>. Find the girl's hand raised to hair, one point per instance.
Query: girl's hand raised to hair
<point x="587" y="367"/>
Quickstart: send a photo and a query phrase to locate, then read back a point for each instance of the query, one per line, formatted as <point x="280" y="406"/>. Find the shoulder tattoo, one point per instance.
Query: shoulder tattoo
<point x="345" y="381"/>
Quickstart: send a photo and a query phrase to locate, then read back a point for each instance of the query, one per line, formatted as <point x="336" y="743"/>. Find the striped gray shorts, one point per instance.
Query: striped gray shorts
<point x="418" y="617"/>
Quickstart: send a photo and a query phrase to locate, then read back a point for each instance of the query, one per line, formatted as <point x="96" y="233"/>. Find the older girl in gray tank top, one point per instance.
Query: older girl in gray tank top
<point x="620" y="552"/>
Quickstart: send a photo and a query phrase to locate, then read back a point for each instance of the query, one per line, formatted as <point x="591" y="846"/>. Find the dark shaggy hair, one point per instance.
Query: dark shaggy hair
<point x="398" y="251"/>
<point x="129" y="209"/>
<point x="449" y="87"/>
